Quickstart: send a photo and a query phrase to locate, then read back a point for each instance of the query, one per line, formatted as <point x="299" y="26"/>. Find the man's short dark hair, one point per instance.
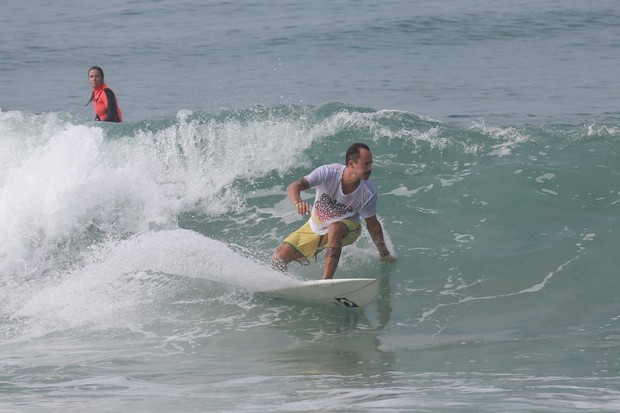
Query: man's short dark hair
<point x="353" y="153"/>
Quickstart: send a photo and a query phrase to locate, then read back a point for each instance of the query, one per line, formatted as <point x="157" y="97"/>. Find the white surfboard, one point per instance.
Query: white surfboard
<point x="344" y="292"/>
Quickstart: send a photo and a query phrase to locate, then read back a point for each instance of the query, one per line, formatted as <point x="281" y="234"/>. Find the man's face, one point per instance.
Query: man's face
<point x="362" y="168"/>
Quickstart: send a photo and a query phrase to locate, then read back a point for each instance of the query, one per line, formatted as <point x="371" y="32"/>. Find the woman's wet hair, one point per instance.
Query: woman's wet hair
<point x="98" y="69"/>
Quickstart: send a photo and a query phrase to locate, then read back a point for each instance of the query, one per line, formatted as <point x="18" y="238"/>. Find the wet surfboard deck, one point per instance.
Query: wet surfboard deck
<point x="344" y="292"/>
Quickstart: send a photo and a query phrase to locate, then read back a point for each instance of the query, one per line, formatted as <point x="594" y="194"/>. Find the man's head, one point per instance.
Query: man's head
<point x="359" y="159"/>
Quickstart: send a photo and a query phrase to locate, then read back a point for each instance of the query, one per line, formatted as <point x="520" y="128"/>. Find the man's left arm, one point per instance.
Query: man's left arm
<point x="376" y="233"/>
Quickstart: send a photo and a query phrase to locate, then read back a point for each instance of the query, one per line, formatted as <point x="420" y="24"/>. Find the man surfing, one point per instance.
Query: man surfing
<point x="344" y="193"/>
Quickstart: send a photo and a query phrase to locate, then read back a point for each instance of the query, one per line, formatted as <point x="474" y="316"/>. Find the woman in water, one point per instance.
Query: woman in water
<point x="104" y="101"/>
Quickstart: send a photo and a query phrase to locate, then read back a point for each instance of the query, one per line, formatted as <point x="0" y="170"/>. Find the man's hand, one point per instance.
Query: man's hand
<point x="302" y="207"/>
<point x="376" y="233"/>
<point x="388" y="258"/>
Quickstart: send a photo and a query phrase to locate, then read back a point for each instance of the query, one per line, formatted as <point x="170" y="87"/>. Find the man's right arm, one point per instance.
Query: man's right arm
<point x="294" y="194"/>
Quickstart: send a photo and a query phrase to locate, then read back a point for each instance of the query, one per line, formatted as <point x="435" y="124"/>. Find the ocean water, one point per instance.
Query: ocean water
<point x="130" y="253"/>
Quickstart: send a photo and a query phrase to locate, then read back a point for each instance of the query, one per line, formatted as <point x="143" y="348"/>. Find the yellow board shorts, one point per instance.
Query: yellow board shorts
<point x="308" y="243"/>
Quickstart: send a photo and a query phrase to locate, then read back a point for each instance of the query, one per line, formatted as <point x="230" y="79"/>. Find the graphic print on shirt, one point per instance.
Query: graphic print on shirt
<point x="326" y="208"/>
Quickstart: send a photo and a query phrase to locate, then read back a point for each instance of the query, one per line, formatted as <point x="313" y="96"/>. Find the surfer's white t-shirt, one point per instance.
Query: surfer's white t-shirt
<point x="331" y="205"/>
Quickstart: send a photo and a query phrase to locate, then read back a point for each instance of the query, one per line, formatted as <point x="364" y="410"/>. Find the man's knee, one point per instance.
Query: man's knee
<point x="282" y="256"/>
<point x="337" y="231"/>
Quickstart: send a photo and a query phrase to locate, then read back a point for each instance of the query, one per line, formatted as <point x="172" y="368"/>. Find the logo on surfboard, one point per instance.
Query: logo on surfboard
<point x="345" y="302"/>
